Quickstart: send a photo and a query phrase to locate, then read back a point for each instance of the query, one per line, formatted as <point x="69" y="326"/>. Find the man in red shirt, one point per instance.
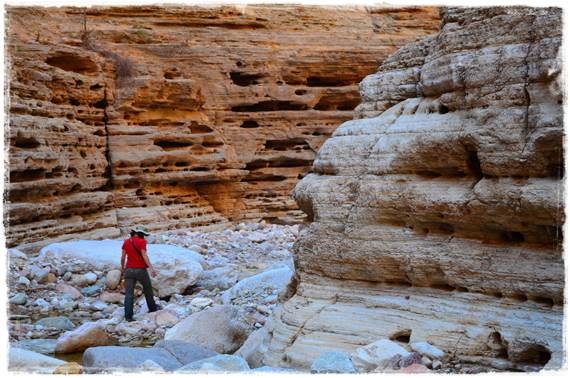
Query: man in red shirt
<point x="134" y="250"/>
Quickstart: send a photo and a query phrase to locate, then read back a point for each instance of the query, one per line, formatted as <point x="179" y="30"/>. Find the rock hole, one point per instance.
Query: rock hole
<point x="23" y="142"/>
<point x="300" y="92"/>
<point x="279" y="82"/>
<point x="212" y="143"/>
<point x="473" y="164"/>
<point x="402" y="336"/>
<point x="28" y="175"/>
<point x="101" y="104"/>
<point x="512" y="237"/>
<point x="520" y="297"/>
<point x="543" y="300"/>
<point x="83" y="154"/>
<point x="94" y="87"/>
<point x="239" y="64"/>
<point x="74" y="102"/>
<point x="270" y="106"/>
<point x="322" y="81"/>
<point x="197" y="128"/>
<point x="442" y="286"/>
<point x="249" y="124"/>
<point x="171" y="144"/>
<point x="442" y="109"/>
<point x="72" y="62"/>
<point x="532" y="354"/>
<point x="498" y="346"/>
<point x="244" y="80"/>
<point x="181" y="164"/>
<point x="139" y="192"/>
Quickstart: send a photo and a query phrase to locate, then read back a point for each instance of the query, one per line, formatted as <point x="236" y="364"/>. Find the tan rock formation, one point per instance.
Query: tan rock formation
<point x="179" y="116"/>
<point x="436" y="216"/>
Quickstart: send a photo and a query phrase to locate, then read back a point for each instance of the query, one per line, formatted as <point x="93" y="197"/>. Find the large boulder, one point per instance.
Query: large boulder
<point x="333" y="361"/>
<point x="222" y="362"/>
<point x="377" y="354"/>
<point x="176" y="267"/>
<point x="43" y="346"/>
<point x="274" y="280"/>
<point x="88" y="335"/>
<point x="27" y="361"/>
<point x="256" y="345"/>
<point x="217" y="328"/>
<point x="185" y="352"/>
<point x="116" y="358"/>
<point x="169" y="355"/>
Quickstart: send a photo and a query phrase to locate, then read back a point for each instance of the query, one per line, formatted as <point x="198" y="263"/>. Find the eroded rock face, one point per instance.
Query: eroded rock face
<point x="437" y="213"/>
<point x="178" y="117"/>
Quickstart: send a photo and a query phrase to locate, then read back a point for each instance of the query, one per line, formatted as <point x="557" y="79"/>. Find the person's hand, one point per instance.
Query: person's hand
<point x="152" y="272"/>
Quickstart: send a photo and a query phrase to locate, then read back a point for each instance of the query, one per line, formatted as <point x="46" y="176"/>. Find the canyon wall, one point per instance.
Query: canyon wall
<point x="178" y="116"/>
<point x="437" y="213"/>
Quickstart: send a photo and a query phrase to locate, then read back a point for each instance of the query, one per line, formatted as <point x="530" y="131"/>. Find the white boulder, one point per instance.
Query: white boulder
<point x="27" y="361"/>
<point x="276" y="279"/>
<point x="176" y="267"/>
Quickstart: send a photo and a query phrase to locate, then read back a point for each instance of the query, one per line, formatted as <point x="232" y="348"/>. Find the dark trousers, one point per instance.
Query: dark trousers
<point x="132" y="275"/>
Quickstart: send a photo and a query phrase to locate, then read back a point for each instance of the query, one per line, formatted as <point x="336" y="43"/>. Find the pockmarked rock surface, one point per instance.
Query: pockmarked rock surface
<point x="196" y="115"/>
<point x="437" y="213"/>
<point x="176" y="267"/>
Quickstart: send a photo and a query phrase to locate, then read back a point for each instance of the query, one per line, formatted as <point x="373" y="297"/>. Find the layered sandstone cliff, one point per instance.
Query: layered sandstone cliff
<point x="437" y="213"/>
<point x="179" y="116"/>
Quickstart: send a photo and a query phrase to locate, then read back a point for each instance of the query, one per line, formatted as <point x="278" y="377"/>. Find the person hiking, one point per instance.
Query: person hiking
<point x="134" y="250"/>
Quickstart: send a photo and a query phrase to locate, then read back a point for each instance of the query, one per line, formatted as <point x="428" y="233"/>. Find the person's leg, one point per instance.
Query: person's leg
<point x="129" y="295"/>
<point x="144" y="279"/>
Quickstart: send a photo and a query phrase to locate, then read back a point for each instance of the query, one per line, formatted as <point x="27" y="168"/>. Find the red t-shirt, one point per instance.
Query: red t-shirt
<point x="134" y="259"/>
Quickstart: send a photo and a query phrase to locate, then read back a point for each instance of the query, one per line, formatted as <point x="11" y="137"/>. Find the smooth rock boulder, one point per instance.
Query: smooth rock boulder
<point x="43" y="346"/>
<point x="221" y="363"/>
<point x="217" y="328"/>
<point x="57" y="322"/>
<point x="275" y="279"/>
<point x="112" y="297"/>
<point x="185" y="352"/>
<point x="68" y="289"/>
<point x="27" y="361"/>
<point x="117" y="358"/>
<point x="113" y="278"/>
<point x="88" y="335"/>
<point x="377" y="354"/>
<point x="333" y="362"/>
<point x="176" y="267"/>
<point x="256" y="345"/>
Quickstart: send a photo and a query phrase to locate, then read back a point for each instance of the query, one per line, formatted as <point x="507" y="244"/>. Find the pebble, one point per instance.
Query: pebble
<point x="436" y="365"/>
<point x="67" y="276"/>
<point x="19" y="299"/>
<point x="23" y="281"/>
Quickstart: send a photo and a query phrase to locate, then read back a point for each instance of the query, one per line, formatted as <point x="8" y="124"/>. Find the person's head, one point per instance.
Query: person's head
<point x="139" y="231"/>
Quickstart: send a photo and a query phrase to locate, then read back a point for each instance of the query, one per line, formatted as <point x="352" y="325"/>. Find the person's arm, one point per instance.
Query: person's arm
<point x="147" y="261"/>
<point x="123" y="258"/>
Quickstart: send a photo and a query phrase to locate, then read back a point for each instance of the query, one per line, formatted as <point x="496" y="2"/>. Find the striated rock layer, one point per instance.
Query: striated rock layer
<point x="437" y="213"/>
<point x="179" y="116"/>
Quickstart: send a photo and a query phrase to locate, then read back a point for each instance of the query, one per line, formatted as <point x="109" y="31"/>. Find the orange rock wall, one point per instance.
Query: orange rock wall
<point x="179" y="116"/>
